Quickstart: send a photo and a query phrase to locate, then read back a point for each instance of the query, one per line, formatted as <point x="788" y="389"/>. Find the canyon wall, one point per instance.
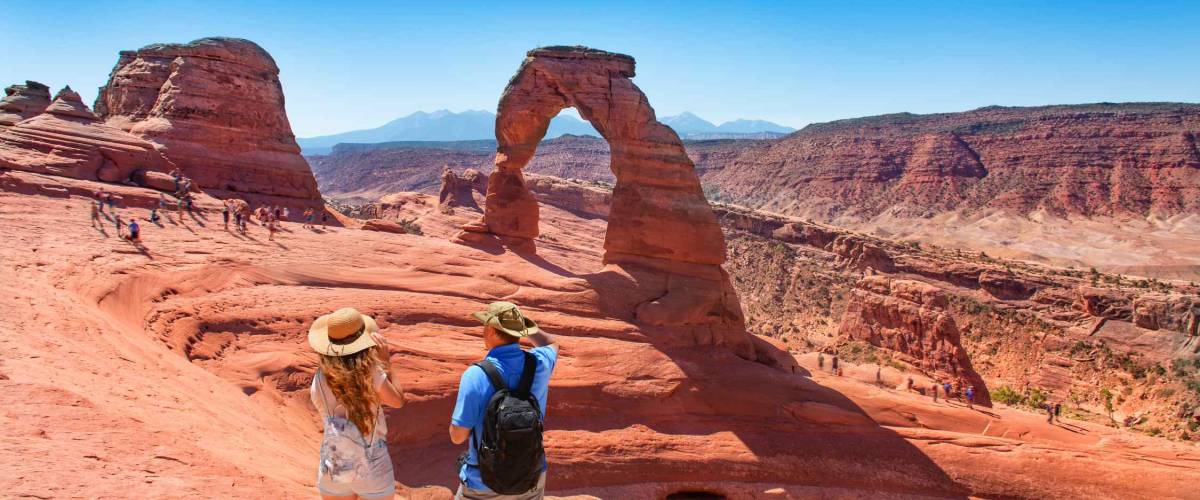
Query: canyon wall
<point x="1091" y="160"/>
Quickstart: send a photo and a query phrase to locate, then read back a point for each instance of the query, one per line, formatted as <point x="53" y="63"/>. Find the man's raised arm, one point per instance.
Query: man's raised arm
<point x="543" y="339"/>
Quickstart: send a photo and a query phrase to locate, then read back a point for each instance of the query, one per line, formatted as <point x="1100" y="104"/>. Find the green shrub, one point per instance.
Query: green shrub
<point x="1079" y="347"/>
<point x="410" y="226"/>
<point x="1007" y="395"/>
<point x="1035" y="398"/>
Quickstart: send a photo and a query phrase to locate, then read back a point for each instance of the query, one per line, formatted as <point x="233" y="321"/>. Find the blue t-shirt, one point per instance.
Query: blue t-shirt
<point x="474" y="391"/>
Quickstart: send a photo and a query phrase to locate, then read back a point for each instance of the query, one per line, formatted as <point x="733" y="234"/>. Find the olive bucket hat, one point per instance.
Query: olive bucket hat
<point x="506" y="317"/>
<point x="342" y="332"/>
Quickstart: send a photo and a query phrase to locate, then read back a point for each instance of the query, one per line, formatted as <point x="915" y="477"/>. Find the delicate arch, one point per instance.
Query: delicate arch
<point x="658" y="208"/>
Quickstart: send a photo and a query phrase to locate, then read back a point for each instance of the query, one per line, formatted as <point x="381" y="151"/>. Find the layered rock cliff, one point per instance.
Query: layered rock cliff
<point x="69" y="140"/>
<point x="215" y="108"/>
<point x="911" y="319"/>
<point x="1097" y="159"/>
<point x="23" y="101"/>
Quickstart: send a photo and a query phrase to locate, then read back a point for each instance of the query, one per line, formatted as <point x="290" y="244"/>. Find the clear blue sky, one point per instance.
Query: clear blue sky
<point x="349" y="66"/>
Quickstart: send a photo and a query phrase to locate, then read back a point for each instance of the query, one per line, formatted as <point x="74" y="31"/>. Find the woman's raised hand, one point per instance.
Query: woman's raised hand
<point x="382" y="350"/>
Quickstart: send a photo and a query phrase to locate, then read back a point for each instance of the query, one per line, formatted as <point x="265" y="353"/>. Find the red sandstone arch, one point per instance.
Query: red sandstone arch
<point x="658" y="211"/>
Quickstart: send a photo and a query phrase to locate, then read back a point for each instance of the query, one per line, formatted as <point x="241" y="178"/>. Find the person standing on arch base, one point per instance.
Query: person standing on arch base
<point x="501" y="409"/>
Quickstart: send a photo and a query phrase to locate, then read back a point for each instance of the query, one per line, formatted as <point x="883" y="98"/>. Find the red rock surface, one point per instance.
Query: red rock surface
<point x="1092" y="160"/>
<point x="68" y="140"/>
<point x="180" y="370"/>
<point x="385" y="226"/>
<point x="796" y="279"/>
<point x="912" y="318"/>
<point x="23" y="101"/>
<point x="216" y="108"/>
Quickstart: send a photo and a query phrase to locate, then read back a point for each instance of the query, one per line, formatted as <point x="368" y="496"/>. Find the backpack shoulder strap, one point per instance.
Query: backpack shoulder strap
<point x="526" y="385"/>
<point x="493" y="375"/>
<point x="322" y="393"/>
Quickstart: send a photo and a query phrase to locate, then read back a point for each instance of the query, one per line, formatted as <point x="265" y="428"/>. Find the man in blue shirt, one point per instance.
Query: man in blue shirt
<point x="504" y="327"/>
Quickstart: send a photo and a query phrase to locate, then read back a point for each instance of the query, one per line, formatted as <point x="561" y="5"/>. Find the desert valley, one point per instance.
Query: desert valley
<point x="700" y="286"/>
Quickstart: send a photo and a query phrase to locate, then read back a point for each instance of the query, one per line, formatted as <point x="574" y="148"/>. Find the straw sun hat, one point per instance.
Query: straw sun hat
<point x="342" y="332"/>
<point x="506" y="317"/>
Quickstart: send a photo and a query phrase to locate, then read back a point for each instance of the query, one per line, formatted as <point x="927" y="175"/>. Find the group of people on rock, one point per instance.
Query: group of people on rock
<point x="499" y="410"/>
<point x="968" y="394"/>
<point x="104" y="206"/>
<point x="103" y="199"/>
<point x="310" y="216"/>
<point x="947" y="389"/>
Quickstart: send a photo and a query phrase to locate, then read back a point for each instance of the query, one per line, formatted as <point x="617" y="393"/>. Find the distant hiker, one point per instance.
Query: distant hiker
<point x="272" y="226"/>
<point x="324" y="218"/>
<point x="908" y="385"/>
<point x="225" y="215"/>
<point x="187" y="198"/>
<point x="135" y="231"/>
<point x="879" y="377"/>
<point x="95" y="214"/>
<point x="100" y="200"/>
<point x="278" y="213"/>
<point x="970" y="396"/>
<point x="834" y="364"/>
<point x="352" y="383"/>
<point x="112" y="202"/>
<point x="501" y="409"/>
<point x="946" y="387"/>
<point x="119" y="223"/>
<point x="820" y="361"/>
<point x="154" y="218"/>
<point x="934" y="390"/>
<point x="1058" y="411"/>
<point x="1049" y="412"/>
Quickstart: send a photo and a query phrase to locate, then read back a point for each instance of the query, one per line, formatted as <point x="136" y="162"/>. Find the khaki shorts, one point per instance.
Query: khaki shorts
<point x="539" y="491"/>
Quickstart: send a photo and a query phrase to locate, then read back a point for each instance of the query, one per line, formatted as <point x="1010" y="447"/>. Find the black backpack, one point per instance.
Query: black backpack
<point x="510" y="450"/>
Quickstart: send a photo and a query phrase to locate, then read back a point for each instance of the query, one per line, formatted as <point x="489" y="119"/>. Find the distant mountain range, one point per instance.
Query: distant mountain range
<point x="446" y="125"/>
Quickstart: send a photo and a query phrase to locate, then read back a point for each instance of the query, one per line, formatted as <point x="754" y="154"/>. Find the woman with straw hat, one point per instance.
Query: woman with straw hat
<point x="349" y="388"/>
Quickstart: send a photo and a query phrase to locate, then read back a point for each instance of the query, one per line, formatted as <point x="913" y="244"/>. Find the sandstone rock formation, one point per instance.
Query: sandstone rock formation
<point x="659" y="210"/>
<point x="216" y="109"/>
<point x="383" y="226"/>
<point x="911" y="318"/>
<point x="661" y="231"/>
<point x="585" y="200"/>
<point x="69" y="140"/>
<point x="459" y="191"/>
<point x="23" y="101"/>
